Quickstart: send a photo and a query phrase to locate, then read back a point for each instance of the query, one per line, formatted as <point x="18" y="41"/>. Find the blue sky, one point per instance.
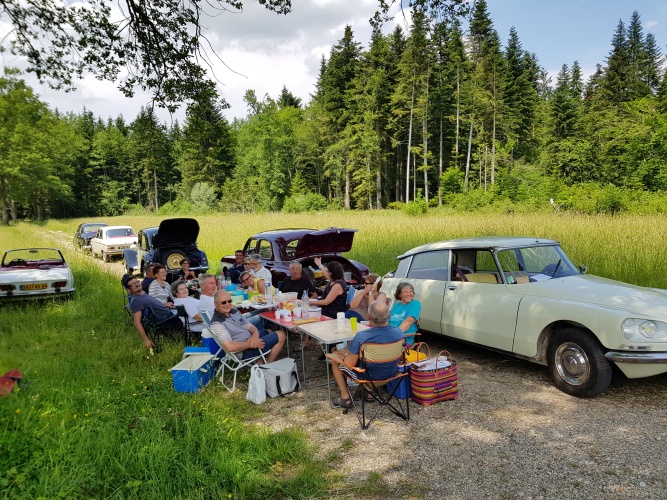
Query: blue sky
<point x="563" y="31"/>
<point x="263" y="51"/>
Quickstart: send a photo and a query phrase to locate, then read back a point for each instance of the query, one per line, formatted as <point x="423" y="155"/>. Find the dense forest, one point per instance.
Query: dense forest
<point x="441" y="114"/>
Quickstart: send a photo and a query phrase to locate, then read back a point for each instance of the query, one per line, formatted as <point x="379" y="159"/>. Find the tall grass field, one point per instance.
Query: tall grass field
<point x="96" y="416"/>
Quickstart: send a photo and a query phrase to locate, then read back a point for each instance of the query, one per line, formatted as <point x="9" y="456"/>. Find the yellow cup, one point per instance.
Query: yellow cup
<point x="353" y="324"/>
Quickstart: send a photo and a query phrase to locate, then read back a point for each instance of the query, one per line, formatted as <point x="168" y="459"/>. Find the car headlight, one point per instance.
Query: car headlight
<point x="639" y="330"/>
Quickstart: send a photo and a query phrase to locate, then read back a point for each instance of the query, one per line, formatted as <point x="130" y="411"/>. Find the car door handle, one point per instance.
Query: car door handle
<point x="452" y="287"/>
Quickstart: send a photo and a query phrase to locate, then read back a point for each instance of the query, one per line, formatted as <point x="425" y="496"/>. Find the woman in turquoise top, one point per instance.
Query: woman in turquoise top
<point x="405" y="311"/>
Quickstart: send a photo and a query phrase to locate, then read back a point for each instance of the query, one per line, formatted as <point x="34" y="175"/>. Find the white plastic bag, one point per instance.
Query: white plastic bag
<point x="256" y="386"/>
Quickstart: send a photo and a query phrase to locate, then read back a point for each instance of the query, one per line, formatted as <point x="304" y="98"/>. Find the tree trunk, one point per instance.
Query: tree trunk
<point x="458" y="114"/>
<point x="157" y="204"/>
<point x="407" y="168"/>
<point x="347" y="182"/>
<point x="465" y="183"/>
<point x="440" y="155"/>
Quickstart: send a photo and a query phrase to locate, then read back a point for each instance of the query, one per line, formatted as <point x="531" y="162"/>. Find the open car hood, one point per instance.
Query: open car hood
<point x="176" y="232"/>
<point x="332" y="240"/>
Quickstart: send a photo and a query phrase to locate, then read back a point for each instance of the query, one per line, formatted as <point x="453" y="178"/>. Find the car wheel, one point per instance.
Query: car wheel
<point x="172" y="259"/>
<point x="577" y="363"/>
<point x="105" y="257"/>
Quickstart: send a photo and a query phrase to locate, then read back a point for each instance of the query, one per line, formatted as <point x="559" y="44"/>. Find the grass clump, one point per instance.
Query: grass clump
<point x="96" y="417"/>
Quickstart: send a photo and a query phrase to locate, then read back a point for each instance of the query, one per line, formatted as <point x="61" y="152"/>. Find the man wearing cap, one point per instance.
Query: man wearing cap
<point x="140" y="301"/>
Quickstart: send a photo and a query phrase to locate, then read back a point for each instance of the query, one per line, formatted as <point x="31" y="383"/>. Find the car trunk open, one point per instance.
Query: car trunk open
<point x="326" y="241"/>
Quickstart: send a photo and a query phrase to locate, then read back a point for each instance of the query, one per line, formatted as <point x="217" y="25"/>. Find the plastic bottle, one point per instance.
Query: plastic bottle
<point x="304" y="304"/>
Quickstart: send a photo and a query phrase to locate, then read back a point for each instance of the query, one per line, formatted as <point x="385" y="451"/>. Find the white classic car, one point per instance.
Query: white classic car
<point x="523" y="296"/>
<point x="27" y="273"/>
<point x="111" y="241"/>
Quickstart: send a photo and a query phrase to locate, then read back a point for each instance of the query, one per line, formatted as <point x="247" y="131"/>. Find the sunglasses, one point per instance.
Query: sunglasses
<point x="223" y="302"/>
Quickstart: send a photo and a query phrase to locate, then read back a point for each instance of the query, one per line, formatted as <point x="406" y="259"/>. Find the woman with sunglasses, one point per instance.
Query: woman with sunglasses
<point x="363" y="298"/>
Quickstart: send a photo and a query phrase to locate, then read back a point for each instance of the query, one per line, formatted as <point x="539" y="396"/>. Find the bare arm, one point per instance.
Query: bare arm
<point x="335" y="291"/>
<point x="254" y="342"/>
<point x="136" y="317"/>
<point x="407" y="323"/>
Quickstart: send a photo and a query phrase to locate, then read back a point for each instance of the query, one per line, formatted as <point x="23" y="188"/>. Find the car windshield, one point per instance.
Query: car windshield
<point x="537" y="263"/>
<point x="120" y="233"/>
<point x="31" y="257"/>
<point x="92" y="228"/>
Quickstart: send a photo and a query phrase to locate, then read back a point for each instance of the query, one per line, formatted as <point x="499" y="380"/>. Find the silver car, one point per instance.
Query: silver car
<point x="523" y="296"/>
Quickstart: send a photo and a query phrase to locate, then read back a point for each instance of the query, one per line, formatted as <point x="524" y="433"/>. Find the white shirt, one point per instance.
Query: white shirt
<point x="206" y="304"/>
<point x="192" y="308"/>
<point x="266" y="274"/>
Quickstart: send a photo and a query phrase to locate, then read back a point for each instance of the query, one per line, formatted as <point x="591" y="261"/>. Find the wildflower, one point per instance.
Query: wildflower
<point x="75" y="415"/>
<point x="18" y="410"/>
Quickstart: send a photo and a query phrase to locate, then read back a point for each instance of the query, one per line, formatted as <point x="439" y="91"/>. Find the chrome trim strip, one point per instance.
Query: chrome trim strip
<point x="636" y="357"/>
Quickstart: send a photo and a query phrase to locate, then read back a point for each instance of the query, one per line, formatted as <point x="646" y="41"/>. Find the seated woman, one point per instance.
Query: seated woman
<point x="334" y="294"/>
<point x="363" y="298"/>
<point x="180" y="291"/>
<point x="184" y="272"/>
<point x="405" y="311"/>
<point x="254" y="284"/>
<point x="159" y="288"/>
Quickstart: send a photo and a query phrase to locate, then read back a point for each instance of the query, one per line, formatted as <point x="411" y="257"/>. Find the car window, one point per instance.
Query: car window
<point x="250" y="247"/>
<point x="265" y="250"/>
<point x="430" y="265"/>
<point x="538" y="263"/>
<point x="144" y="242"/>
<point x="290" y="248"/>
<point x="403" y="266"/>
<point x="484" y="261"/>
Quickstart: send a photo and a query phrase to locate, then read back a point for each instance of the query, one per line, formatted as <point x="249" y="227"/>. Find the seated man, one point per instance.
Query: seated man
<point x="149" y="277"/>
<point x="297" y="282"/>
<point x="140" y="300"/>
<point x="238" y="267"/>
<point x="235" y="334"/>
<point x="208" y="284"/>
<point x="380" y="332"/>
<point x="258" y="269"/>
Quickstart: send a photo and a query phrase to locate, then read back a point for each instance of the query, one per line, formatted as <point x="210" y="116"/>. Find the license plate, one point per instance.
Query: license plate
<point x="37" y="286"/>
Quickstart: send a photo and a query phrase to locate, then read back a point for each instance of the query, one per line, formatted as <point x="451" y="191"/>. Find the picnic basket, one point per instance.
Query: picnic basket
<point x="434" y="379"/>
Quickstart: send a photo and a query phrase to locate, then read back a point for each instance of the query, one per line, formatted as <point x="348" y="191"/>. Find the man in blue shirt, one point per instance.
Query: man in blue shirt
<point x="140" y="301"/>
<point x="378" y="333"/>
<point x="238" y="267"/>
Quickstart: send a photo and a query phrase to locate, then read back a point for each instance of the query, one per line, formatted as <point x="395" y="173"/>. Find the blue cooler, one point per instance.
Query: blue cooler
<point x="193" y="373"/>
<point x="404" y="390"/>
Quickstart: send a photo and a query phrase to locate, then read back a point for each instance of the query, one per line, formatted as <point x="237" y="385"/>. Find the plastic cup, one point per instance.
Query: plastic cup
<point x="340" y="317"/>
<point x="245" y="295"/>
<point x="297" y="312"/>
<point x="353" y="324"/>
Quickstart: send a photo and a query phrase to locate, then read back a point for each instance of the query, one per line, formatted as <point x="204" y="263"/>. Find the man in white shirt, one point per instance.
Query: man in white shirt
<point x="208" y="285"/>
<point x="259" y="270"/>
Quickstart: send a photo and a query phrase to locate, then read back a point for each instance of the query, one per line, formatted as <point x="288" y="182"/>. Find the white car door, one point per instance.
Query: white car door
<point x="483" y="313"/>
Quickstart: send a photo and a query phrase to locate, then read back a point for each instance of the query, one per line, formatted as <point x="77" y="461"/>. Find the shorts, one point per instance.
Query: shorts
<point x="270" y="340"/>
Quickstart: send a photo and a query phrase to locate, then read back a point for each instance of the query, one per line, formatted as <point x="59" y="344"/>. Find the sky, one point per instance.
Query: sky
<point x="264" y="51"/>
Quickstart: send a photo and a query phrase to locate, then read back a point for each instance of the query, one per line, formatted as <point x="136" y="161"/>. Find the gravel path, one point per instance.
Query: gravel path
<point x="511" y="434"/>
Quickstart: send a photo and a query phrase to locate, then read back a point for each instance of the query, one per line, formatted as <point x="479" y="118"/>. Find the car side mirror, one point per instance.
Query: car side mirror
<point x="583" y="269"/>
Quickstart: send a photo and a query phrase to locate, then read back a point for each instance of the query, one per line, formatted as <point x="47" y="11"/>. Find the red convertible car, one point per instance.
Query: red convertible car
<point x="280" y="247"/>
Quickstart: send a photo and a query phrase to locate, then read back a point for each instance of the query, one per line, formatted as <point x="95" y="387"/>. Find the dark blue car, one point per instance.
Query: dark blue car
<point x="168" y="244"/>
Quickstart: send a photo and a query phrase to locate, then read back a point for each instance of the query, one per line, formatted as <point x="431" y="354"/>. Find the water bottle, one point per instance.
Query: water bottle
<point x="304" y="304"/>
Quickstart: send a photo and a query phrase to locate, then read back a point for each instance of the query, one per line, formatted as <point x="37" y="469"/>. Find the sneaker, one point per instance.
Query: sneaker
<point x="342" y="403"/>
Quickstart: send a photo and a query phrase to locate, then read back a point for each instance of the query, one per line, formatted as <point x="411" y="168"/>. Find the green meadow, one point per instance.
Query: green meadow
<point x="97" y="417"/>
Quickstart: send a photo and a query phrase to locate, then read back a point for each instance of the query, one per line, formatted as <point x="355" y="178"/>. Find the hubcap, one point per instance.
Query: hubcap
<point x="173" y="262"/>
<point x="572" y="363"/>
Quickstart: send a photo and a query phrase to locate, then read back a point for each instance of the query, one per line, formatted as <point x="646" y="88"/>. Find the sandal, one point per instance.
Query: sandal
<point x="342" y="403"/>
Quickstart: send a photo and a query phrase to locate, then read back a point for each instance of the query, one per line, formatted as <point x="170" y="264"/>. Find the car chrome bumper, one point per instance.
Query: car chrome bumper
<point x="636" y="357"/>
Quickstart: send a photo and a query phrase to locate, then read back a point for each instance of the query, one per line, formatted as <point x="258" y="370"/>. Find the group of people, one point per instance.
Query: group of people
<point x="389" y="320"/>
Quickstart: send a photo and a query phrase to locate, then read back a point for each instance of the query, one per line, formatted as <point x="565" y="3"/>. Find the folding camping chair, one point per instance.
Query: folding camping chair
<point x="373" y="357"/>
<point x="192" y="329"/>
<point x="230" y="360"/>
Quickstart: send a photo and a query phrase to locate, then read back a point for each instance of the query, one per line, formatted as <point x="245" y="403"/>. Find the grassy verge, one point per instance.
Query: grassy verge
<point x="96" y="417"/>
